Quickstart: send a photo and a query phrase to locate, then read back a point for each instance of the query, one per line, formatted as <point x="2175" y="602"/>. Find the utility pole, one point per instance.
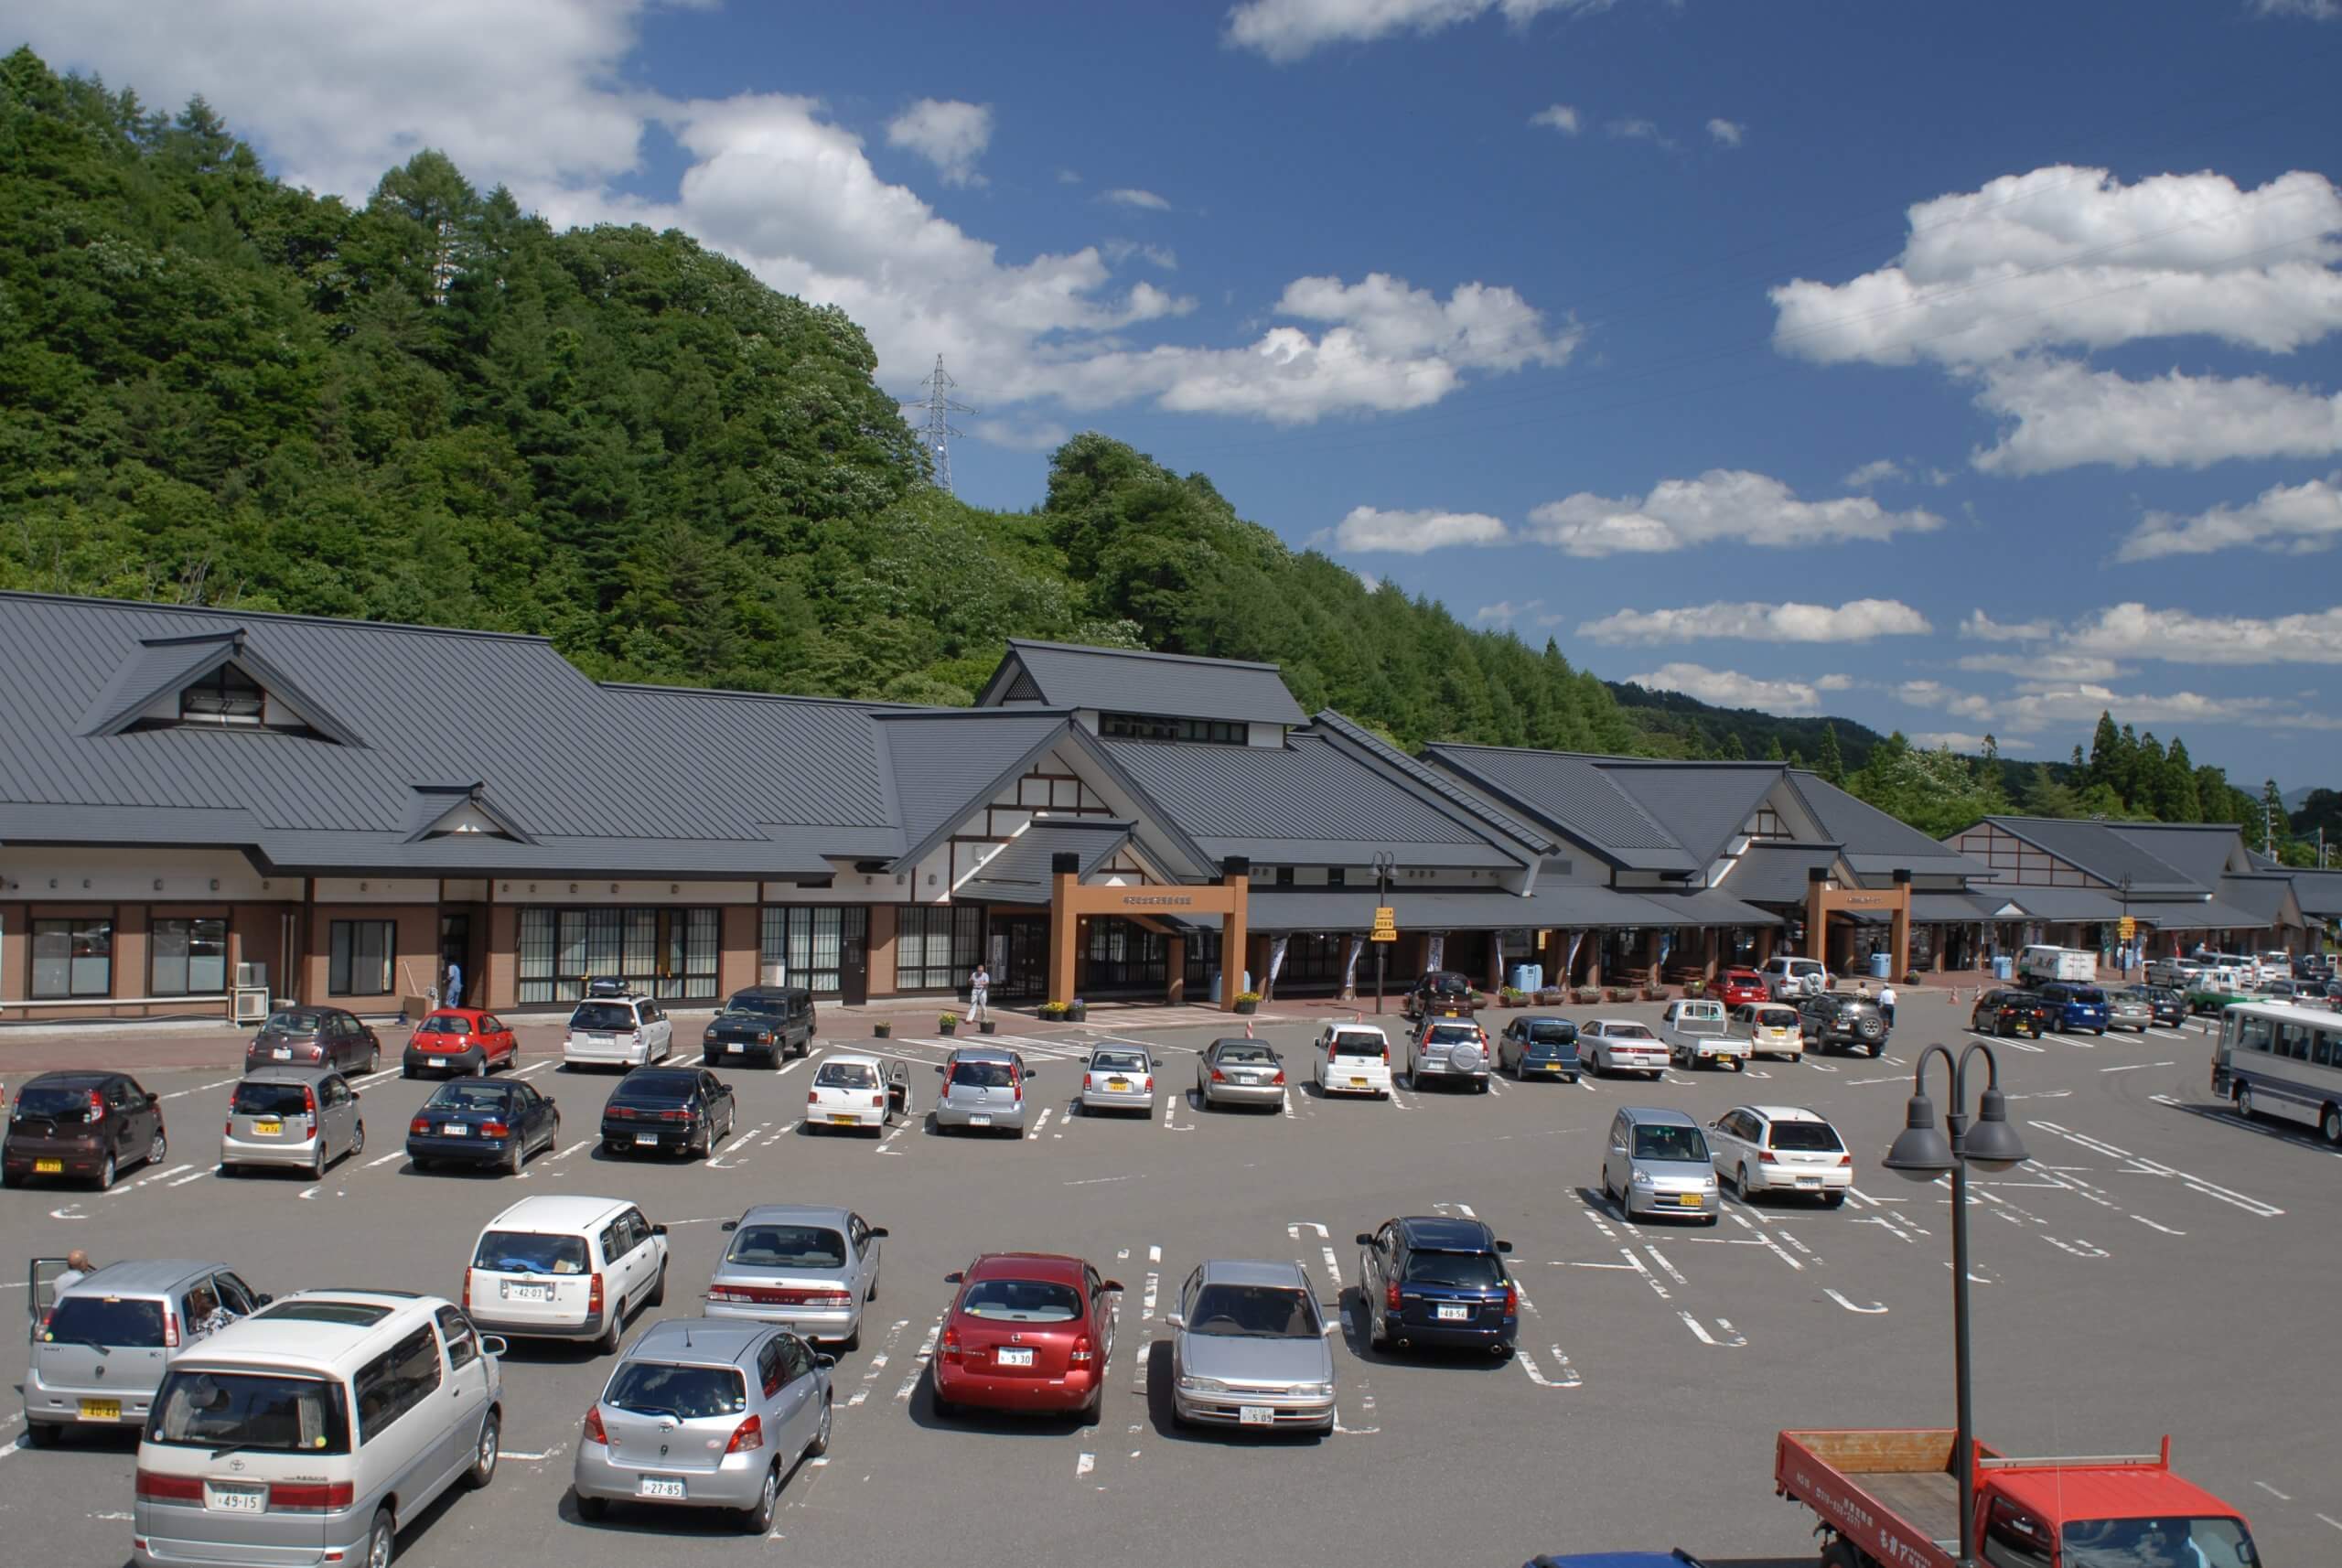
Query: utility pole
<point x="936" y="432"/>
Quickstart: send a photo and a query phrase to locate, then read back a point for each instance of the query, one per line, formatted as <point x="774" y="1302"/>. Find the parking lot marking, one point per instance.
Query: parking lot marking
<point x="1528" y="1360"/>
<point x="198" y="1089"/>
<point x="2325" y="1519"/>
<point x="2011" y="1040"/>
<point x="884" y="1354"/>
<point x="2152" y="1226"/>
<point x="1660" y="1258"/>
<point x="2077" y="1247"/>
<point x="148" y="1181"/>
<point x="573" y="1148"/>
<point x="1850" y="1306"/>
<point x="2273" y="1491"/>
<point x="2142" y="1167"/>
<point x="1732" y="1338"/>
<point x="1294" y="1230"/>
<point x="1890" y="1078"/>
<point x="1083" y="1466"/>
<point x="1649" y="1278"/>
<point x="2134" y="1067"/>
<point x="199" y="1176"/>
<point x="919" y="1363"/>
<point x="1153" y="1286"/>
<point x="386" y="1159"/>
<point x="1333" y="1269"/>
<point x="1043" y="1122"/>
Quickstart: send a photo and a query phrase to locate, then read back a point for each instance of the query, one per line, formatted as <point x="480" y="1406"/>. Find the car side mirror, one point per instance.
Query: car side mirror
<point x="658" y="1230"/>
<point x="731" y="1225"/>
<point x="1364" y="1240"/>
<point x="825" y="1361"/>
<point x="494" y="1345"/>
<point x="954" y="1277"/>
<point x="1504" y="1246"/>
<point x="1114" y="1285"/>
<point x="262" y="1300"/>
<point x="1032" y="1073"/>
<point x="354" y="1094"/>
<point x="1618" y="1148"/>
<point x="1175" y="1320"/>
<point x="939" y="1067"/>
<point x="876" y="1231"/>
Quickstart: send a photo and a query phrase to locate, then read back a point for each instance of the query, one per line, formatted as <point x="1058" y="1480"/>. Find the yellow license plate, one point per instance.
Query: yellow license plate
<point x="1688" y="1200"/>
<point x="100" y="1410"/>
<point x="1118" y="1084"/>
<point x="269" y="1128"/>
<point x="842" y="1120"/>
<point x="49" y="1167"/>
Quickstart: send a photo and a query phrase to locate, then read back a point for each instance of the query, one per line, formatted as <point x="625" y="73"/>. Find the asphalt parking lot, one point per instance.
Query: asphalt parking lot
<point x="2144" y="1274"/>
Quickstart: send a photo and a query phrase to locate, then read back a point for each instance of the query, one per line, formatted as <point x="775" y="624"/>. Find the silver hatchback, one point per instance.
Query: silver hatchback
<point x="705" y="1414"/>
<point x="1659" y="1162"/>
<point x="1240" y="1071"/>
<point x="301" y="1117"/>
<point x="1118" y="1078"/>
<point x="983" y="1087"/>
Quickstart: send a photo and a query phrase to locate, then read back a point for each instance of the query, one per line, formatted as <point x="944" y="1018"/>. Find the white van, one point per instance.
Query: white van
<point x="314" y="1430"/>
<point x="2039" y="963"/>
<point x="565" y="1268"/>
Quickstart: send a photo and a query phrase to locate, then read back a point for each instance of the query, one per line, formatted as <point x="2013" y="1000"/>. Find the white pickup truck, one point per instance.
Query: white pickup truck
<point x="1695" y="1034"/>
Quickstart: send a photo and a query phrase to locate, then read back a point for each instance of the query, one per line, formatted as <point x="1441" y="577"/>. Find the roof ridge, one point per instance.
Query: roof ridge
<point x="1020" y="711"/>
<point x="1143" y="653"/>
<point x="1447" y="789"/>
<point x="730" y="691"/>
<point x="95" y="599"/>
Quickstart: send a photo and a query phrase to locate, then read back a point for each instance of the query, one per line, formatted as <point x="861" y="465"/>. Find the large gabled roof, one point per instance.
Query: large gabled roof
<point x="1573" y="795"/>
<point x="1702" y="805"/>
<point x="2101" y="851"/>
<point x="1872" y="841"/>
<point x="2201" y="852"/>
<point x="1133" y="681"/>
<point x="2319" y="893"/>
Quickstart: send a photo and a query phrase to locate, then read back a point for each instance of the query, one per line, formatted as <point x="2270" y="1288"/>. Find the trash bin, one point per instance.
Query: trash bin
<point x="2001" y="967"/>
<point x="1882" y="965"/>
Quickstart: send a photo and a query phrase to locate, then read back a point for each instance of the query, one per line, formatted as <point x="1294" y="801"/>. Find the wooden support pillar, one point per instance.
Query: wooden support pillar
<point x="1817" y="914"/>
<point x="1902" y="926"/>
<point x="1064" y="923"/>
<point x="1237" y="879"/>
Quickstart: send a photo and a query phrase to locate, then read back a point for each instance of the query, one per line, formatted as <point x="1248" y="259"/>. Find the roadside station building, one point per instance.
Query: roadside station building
<point x="196" y="802"/>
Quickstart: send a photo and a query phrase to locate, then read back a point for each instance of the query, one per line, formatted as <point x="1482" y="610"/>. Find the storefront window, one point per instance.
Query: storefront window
<point x="1203" y="958"/>
<point x="1312" y="958"/>
<point x="671" y="954"/>
<point x="1120" y="956"/>
<point x="800" y="944"/>
<point x="191" y="958"/>
<point x="936" y="948"/>
<point x="360" y="961"/>
<point x="72" y="957"/>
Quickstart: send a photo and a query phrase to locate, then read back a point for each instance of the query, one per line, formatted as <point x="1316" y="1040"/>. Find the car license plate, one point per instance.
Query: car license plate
<point x="1357" y="1083"/>
<point x="1453" y="1314"/>
<point x="735" y="1046"/>
<point x="659" y="1486"/>
<point x="1809" y="1181"/>
<point x="1688" y="1200"/>
<point x="454" y="1129"/>
<point x="1119" y="1085"/>
<point x="597" y="1039"/>
<point x="49" y="1167"/>
<point x="282" y="1053"/>
<point x="1256" y="1415"/>
<point x="979" y="1119"/>
<point x="100" y="1410"/>
<point x="1550" y="1067"/>
<point x="268" y="1127"/>
<point x="650" y="1140"/>
<point x="229" y="1498"/>
<point x="1012" y="1358"/>
<point x="521" y="1292"/>
<point x="841" y="1121"/>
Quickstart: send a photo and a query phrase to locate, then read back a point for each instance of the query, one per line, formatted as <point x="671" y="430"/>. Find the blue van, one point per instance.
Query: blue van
<point x="2076" y="1006"/>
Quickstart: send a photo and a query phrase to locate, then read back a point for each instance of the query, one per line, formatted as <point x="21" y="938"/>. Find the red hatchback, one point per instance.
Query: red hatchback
<point x="1028" y="1331"/>
<point x="1742" y="985"/>
<point x="460" y="1040"/>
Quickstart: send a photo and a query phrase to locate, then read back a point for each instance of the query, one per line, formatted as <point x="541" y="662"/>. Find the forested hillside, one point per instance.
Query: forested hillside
<point x="434" y="408"/>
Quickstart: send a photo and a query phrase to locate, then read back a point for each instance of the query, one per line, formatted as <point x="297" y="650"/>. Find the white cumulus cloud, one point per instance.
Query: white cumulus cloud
<point x="2062" y="414"/>
<point x="2136" y="631"/>
<point x="1021" y="435"/>
<point x="1985" y="629"/>
<point x="2044" y="665"/>
<point x="1878" y="471"/>
<point x="2288" y="520"/>
<point x="2066" y="256"/>
<point x="1559" y="117"/>
<point x="1128" y="196"/>
<point x="1727" y="132"/>
<point x="1410" y="533"/>
<point x="1506" y="610"/>
<point x="1834" y="683"/>
<point x="1858" y="620"/>
<point x="1287" y="31"/>
<point x="1731" y="689"/>
<point x="1721" y="506"/>
<point x="948" y="133"/>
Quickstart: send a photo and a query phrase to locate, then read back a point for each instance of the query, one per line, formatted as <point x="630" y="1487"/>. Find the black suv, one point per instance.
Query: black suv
<point x="1441" y="991"/>
<point x="1853" y="1022"/>
<point x="1431" y="1280"/>
<point x="764" y="1022"/>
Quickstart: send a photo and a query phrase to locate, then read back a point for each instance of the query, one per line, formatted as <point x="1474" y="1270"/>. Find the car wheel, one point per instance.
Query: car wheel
<point x="658" y="1296"/>
<point x="2244" y="1100"/>
<point x="513" y="1158"/>
<point x="373" y="1059"/>
<point x="614" y="1330"/>
<point x="2329" y="1125"/>
<point x="484" y="1453"/>
<point x="1480" y="1084"/>
<point x="479" y="1068"/>
<point x="41" y="1434"/>
<point x="1876" y="1049"/>
<point x="852" y="1341"/>
<point x="757" y="1519"/>
<point x="1713" y="1220"/>
<point x="1378" y="1333"/>
<point x="358" y="1141"/>
<point x="1834" y="1200"/>
<point x="106" y="1174"/>
<point x="406" y="1069"/>
<point x="590" y="1508"/>
<point x="318" y="1161"/>
<point x="821" y="1444"/>
<point x="159" y="1149"/>
<point x="1740" y="1181"/>
<point x="382" y="1540"/>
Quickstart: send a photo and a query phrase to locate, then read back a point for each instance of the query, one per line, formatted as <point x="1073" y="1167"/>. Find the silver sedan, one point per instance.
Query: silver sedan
<point x="1240" y="1071"/>
<point x="1118" y="1078"/>
<point x="1250" y="1350"/>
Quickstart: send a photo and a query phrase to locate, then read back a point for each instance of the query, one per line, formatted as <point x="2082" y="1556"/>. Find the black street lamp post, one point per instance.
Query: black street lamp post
<point x="1383" y="861"/>
<point x="1922" y="1152"/>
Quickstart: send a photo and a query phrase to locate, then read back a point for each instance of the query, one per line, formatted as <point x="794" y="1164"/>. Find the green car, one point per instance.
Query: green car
<point x="2213" y="999"/>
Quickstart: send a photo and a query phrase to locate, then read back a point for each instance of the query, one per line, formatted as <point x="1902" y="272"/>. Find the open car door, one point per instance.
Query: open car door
<point x="40" y="1293"/>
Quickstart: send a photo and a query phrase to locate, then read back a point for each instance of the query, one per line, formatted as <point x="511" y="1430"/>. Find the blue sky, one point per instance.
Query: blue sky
<point x="1960" y="369"/>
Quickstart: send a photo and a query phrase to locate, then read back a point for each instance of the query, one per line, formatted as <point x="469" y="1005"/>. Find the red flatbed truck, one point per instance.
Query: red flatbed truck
<point x="1890" y="1499"/>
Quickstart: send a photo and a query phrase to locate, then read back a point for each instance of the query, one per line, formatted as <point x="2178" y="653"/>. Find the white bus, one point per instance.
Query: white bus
<point x="2282" y="1061"/>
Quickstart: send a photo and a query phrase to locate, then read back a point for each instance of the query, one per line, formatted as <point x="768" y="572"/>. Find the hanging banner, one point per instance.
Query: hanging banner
<point x="1349" y="968"/>
<point x="1496" y="946"/>
<point x="1436" y="954"/>
<point x="1569" y="970"/>
<point x="1276" y="958"/>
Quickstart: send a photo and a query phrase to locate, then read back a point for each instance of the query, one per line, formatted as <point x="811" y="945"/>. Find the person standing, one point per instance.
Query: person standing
<point x="1886" y="1002"/>
<point x="979" y="993"/>
<point x="77" y="1268"/>
<point x="455" y="993"/>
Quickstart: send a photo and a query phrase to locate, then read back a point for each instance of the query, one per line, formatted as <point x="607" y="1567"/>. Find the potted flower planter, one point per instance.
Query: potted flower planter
<point x="1051" y="1012"/>
<point x="1550" y="997"/>
<point x="946" y="1025"/>
<point x="1248" y="1002"/>
<point x="985" y="1027"/>
<point x="882" y="1029"/>
<point x="1076" y="1011"/>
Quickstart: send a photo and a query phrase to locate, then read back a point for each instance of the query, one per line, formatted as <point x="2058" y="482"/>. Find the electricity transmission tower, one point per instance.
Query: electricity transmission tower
<point x="937" y="431"/>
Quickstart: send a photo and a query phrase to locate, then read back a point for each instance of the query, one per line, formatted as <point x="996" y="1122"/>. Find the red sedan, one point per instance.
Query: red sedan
<point x="1742" y="985"/>
<point x="460" y="1040"/>
<point x="1028" y="1331"/>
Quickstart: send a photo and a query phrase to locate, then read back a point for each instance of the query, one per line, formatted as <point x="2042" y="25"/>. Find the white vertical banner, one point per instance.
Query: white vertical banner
<point x="1436" y="954"/>
<point x="1276" y="958"/>
<point x="1349" y="968"/>
<point x="1569" y="970"/>
<point x="1496" y="946"/>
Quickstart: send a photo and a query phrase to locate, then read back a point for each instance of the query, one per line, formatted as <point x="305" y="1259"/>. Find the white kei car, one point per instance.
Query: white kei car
<point x="856" y="1091"/>
<point x="1354" y="1058"/>
<point x="1780" y="1148"/>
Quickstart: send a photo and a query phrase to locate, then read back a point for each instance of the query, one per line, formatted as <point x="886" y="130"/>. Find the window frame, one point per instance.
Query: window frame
<point x="191" y="936"/>
<point x="343" y="957"/>
<point x="75" y="931"/>
<point x="450" y="1338"/>
<point x="239" y="699"/>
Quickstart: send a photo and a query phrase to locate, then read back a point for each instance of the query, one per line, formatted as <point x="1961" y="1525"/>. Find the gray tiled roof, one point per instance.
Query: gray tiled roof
<point x="1128" y="680"/>
<point x="1871" y="840"/>
<point x="2319" y="893"/>
<point x="2096" y="848"/>
<point x="1574" y="907"/>
<point x="1309" y="801"/>
<point x="1703" y="806"/>
<point x="2261" y="896"/>
<point x="159" y="666"/>
<point x="1020" y="872"/>
<point x="2200" y="852"/>
<point x="1573" y="795"/>
<point x="1773" y="872"/>
<point x="1340" y="729"/>
<point x="1708" y="907"/>
<point x="949" y="762"/>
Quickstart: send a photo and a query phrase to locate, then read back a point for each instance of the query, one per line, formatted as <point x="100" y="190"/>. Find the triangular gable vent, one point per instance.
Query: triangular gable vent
<point x="459" y="811"/>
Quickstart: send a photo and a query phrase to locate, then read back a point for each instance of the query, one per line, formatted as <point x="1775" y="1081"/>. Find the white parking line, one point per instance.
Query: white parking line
<point x="386" y="1159"/>
<point x="1083" y="1466"/>
<point x="878" y="1362"/>
<point x="199" y="1176"/>
<point x="1043" y="1122"/>
<point x="198" y="1089"/>
<point x="919" y="1363"/>
<point x="1850" y="1306"/>
<point x="1732" y="1338"/>
<point x="2152" y="1226"/>
<point x="2134" y="1067"/>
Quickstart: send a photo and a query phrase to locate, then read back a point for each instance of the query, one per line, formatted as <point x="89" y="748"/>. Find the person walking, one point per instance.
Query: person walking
<point x="979" y="993"/>
<point x="455" y="994"/>
<point x="76" y="1267"/>
<point x="1886" y="1002"/>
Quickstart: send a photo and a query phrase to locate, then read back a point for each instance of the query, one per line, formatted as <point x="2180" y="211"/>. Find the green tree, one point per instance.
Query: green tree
<point x="1831" y="766"/>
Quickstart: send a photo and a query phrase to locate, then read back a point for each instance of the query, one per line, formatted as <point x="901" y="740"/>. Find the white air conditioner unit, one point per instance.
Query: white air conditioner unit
<point x="252" y="1004"/>
<point x="251" y="974"/>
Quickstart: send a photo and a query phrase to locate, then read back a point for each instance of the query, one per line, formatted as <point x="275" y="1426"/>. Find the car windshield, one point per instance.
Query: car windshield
<point x="462" y="1096"/>
<point x="250" y="1410"/>
<point x="1461" y="1270"/>
<point x="981" y="1075"/>
<point x="2157" y="1544"/>
<point x="1776" y="1018"/>
<point x="1447" y="982"/>
<point x="687" y="1393"/>
<point x="527" y="1253"/>
<point x="55" y="1102"/>
<point x="1253" y="1311"/>
<point x="1244" y="1052"/>
<point x="1669" y="1144"/>
<point x="271" y="1099"/>
<point x="846" y="1074"/>
<point x="347" y="1314"/>
<point x="771" y="1006"/>
<point x="1352" y="1043"/>
<point x="1022" y="1301"/>
<point x="1818" y="1137"/>
<point x="124" y="1321"/>
<point x="2088" y="996"/>
<point x="606" y="1016"/>
<point x="1628" y="1032"/>
<point x="1552" y="1034"/>
<point x="1117" y="1061"/>
<point x="1452" y="1034"/>
<point x="662" y="1087"/>
<point x="788" y="1247"/>
<point x="293" y="1021"/>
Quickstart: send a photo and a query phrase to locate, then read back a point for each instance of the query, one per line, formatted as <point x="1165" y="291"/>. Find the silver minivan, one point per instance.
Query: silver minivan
<point x="301" y="1117"/>
<point x="1658" y="1163"/>
<point x="100" y="1346"/>
<point x="313" y="1431"/>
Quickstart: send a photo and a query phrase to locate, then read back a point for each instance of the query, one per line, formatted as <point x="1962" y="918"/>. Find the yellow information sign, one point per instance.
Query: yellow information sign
<point x="1386" y="924"/>
<point x="2128" y="927"/>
